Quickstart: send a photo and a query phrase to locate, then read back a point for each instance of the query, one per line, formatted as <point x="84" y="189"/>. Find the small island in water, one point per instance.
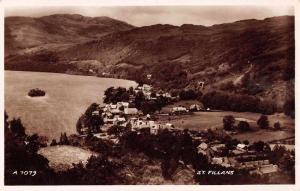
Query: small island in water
<point x="36" y="92"/>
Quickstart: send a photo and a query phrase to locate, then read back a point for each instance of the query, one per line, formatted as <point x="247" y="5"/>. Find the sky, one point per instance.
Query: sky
<point x="149" y="15"/>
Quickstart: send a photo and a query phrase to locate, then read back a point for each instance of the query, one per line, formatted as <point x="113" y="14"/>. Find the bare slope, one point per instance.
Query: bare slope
<point x="26" y="32"/>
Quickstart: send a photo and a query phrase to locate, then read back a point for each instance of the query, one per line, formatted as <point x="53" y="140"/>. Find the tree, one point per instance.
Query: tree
<point x="267" y="107"/>
<point x="124" y="96"/>
<point x="277" y="152"/>
<point x="118" y="130"/>
<point x="92" y="122"/>
<point x="231" y="144"/>
<point x="149" y="107"/>
<point x="17" y="127"/>
<point x="263" y="122"/>
<point x="33" y="144"/>
<point x="114" y="95"/>
<point x="289" y="107"/>
<point x="53" y="142"/>
<point x="93" y="107"/>
<point x="168" y="167"/>
<point x="277" y="126"/>
<point x="244" y="126"/>
<point x="228" y="122"/>
<point x="161" y="102"/>
<point x="139" y="99"/>
<point x="108" y="93"/>
<point x="237" y="102"/>
<point x="98" y="171"/>
<point x="246" y="142"/>
<point x="80" y="124"/>
<point x="63" y="140"/>
<point x="96" y="123"/>
<point x="130" y="90"/>
<point x="187" y="147"/>
<point x="259" y="146"/>
<point x="187" y="94"/>
<point x="20" y="154"/>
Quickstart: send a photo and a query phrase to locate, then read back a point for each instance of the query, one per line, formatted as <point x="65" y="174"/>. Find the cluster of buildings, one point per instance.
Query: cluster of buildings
<point x="127" y="115"/>
<point x="154" y="127"/>
<point x="122" y="114"/>
<point x="146" y="89"/>
<point x="117" y="114"/>
<point x="239" y="158"/>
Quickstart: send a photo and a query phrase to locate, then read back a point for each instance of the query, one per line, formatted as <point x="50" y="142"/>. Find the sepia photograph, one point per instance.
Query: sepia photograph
<point x="149" y="95"/>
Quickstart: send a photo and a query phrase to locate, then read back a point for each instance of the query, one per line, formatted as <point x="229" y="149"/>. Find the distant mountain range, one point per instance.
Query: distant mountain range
<point x="176" y="56"/>
<point x="26" y="33"/>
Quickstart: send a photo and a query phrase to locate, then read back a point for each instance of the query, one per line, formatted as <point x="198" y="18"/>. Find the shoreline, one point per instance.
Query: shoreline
<point x="65" y="73"/>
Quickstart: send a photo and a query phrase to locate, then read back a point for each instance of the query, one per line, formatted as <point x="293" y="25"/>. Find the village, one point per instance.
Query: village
<point x="149" y="93"/>
<point x="216" y="145"/>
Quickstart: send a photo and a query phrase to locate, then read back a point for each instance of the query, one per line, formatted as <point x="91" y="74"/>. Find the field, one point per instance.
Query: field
<point x="67" y="97"/>
<point x="62" y="157"/>
<point x="214" y="120"/>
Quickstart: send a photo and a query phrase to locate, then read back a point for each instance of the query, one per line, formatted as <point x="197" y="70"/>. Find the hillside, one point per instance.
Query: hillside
<point x="176" y="56"/>
<point x="49" y="32"/>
